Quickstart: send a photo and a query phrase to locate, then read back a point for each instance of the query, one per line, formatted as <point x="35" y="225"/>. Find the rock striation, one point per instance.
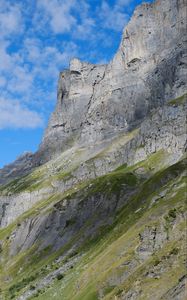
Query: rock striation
<point x="97" y="102"/>
<point x="20" y="167"/>
<point x="104" y="194"/>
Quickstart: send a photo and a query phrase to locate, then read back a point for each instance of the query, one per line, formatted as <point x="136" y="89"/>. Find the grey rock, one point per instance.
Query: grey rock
<point x="97" y="102"/>
<point x="113" y="114"/>
<point x="21" y="166"/>
<point x="164" y="129"/>
<point x="46" y="281"/>
<point x="178" y="292"/>
<point x="151" y="240"/>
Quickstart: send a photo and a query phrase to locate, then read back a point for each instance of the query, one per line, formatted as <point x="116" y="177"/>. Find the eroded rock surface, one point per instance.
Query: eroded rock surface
<point x="108" y="178"/>
<point x="97" y="102"/>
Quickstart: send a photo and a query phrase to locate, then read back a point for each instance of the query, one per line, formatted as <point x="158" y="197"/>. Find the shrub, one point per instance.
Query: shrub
<point x="174" y="251"/>
<point x="156" y="262"/>
<point x="32" y="287"/>
<point x="60" y="276"/>
<point x="172" y="213"/>
<point x="21" y="284"/>
<point x="119" y="292"/>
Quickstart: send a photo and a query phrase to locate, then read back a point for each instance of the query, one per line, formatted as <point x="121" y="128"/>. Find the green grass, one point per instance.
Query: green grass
<point x="43" y="176"/>
<point x="13" y="289"/>
<point x="178" y="101"/>
<point x="30" y="182"/>
<point x="112" y="183"/>
<point x="101" y="260"/>
<point x="113" y="243"/>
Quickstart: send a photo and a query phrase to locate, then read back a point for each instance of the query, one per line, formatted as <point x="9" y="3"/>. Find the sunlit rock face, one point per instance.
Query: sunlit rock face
<point x="109" y="176"/>
<point x="96" y="102"/>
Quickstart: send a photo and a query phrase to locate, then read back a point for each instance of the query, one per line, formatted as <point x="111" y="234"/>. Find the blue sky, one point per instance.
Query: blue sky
<point x="37" y="40"/>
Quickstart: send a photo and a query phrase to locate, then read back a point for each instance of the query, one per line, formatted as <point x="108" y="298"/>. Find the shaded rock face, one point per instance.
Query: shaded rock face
<point x="67" y="218"/>
<point x="75" y="92"/>
<point x="163" y="130"/>
<point x="20" y="167"/>
<point x="97" y="102"/>
<point x="117" y="190"/>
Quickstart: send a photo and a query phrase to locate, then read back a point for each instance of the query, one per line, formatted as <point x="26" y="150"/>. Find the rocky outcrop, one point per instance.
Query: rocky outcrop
<point x="163" y="130"/>
<point x="178" y="292"/>
<point x="97" y="102"/>
<point x="107" y="182"/>
<point x="12" y="206"/>
<point x="18" y="168"/>
<point x="75" y="93"/>
<point x="106" y="206"/>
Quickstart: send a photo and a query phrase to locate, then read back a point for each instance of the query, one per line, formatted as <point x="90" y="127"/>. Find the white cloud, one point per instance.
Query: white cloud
<point x="85" y="29"/>
<point x="13" y="115"/>
<point x="65" y="17"/>
<point x="10" y="18"/>
<point x="21" y="80"/>
<point x="47" y="61"/>
<point x="34" y="47"/>
<point x="6" y="60"/>
<point x="113" y="17"/>
<point x="59" y="14"/>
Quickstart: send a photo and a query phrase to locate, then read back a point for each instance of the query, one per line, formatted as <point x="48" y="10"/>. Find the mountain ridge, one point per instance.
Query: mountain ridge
<point x="98" y="212"/>
<point x="94" y="125"/>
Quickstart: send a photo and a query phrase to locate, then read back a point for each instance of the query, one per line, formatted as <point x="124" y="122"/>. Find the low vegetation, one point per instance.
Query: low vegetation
<point x="112" y="250"/>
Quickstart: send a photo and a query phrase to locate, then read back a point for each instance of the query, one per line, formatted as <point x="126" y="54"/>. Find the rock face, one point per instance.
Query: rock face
<point x="106" y="187"/>
<point x="163" y="130"/>
<point x="75" y="93"/>
<point x="21" y="166"/>
<point x="97" y="102"/>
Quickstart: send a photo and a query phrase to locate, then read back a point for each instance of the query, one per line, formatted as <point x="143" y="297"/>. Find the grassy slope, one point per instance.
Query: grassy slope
<point x="63" y="167"/>
<point x="105" y="256"/>
<point x="105" y="259"/>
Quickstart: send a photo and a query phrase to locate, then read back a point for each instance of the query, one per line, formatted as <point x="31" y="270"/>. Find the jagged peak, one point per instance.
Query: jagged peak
<point x="75" y="64"/>
<point x="97" y="102"/>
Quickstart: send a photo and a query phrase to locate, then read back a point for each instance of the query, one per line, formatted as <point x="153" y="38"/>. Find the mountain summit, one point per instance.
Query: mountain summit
<point x="98" y="212"/>
<point x="97" y="102"/>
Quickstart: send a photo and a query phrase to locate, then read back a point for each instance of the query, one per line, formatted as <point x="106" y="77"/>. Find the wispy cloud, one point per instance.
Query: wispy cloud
<point x="10" y="18"/>
<point x="38" y="38"/>
<point x="113" y="17"/>
<point x="58" y="14"/>
<point x="14" y="115"/>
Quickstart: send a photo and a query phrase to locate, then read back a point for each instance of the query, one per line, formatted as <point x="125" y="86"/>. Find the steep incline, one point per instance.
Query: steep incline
<point x="96" y="103"/>
<point x="98" y="212"/>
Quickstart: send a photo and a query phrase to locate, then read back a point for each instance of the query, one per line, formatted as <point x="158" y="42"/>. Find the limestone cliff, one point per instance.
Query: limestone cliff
<point x="98" y="212"/>
<point x="97" y="102"/>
